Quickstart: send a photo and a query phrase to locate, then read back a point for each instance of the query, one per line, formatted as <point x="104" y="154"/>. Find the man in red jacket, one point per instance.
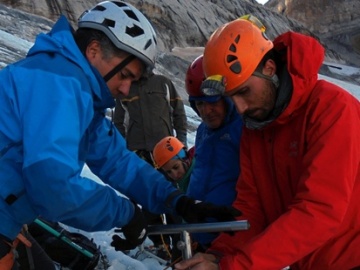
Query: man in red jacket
<point x="300" y="154"/>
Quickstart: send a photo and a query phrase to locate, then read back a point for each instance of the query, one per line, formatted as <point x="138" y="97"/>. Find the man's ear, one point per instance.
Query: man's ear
<point x="269" y="68"/>
<point x="92" y="50"/>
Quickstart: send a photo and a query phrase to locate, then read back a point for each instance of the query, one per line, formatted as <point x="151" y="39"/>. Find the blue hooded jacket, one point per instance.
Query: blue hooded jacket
<point x="217" y="166"/>
<point x="52" y="121"/>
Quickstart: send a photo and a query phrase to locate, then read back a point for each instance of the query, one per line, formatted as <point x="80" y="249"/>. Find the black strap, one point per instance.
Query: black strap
<point x="5" y="245"/>
<point x="5" y="248"/>
<point x="119" y="67"/>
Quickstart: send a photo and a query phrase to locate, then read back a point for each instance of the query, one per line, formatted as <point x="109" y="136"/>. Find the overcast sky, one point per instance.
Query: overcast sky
<point x="261" y="1"/>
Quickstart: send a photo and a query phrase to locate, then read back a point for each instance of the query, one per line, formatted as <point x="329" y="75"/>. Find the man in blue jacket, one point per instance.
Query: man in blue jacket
<point x="52" y="122"/>
<point x="217" y="143"/>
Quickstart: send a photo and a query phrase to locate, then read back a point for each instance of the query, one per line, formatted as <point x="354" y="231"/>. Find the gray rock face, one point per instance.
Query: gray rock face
<point x="177" y="23"/>
<point x="182" y="27"/>
<point x="321" y="16"/>
<point x="336" y="22"/>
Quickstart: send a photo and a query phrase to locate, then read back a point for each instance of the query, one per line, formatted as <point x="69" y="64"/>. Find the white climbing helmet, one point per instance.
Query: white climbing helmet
<point x="125" y="26"/>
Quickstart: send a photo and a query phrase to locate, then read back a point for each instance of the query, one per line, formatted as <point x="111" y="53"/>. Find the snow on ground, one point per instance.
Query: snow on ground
<point x="352" y="88"/>
<point x="342" y="69"/>
<point x="118" y="260"/>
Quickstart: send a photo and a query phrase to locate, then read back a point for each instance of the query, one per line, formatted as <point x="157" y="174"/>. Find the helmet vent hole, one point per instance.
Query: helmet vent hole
<point x="231" y="58"/>
<point x="99" y="8"/>
<point x="131" y="15"/>
<point x="169" y="146"/>
<point x="236" y="67"/>
<point x="232" y="48"/>
<point x="134" y="31"/>
<point x="119" y="4"/>
<point x="148" y="44"/>
<point x="108" y="23"/>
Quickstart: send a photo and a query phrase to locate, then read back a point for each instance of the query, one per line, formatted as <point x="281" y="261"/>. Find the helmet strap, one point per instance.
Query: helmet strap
<point x="274" y="79"/>
<point x="119" y="67"/>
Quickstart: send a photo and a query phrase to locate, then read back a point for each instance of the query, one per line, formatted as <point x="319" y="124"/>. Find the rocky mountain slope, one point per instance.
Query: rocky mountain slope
<point x="177" y="23"/>
<point x="182" y="26"/>
<point x="336" y="22"/>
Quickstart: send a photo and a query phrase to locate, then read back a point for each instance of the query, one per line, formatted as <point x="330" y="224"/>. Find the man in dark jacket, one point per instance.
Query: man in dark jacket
<point x="152" y="110"/>
<point x="216" y="171"/>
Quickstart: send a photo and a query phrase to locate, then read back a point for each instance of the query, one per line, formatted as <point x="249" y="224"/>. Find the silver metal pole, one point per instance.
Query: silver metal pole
<point x="186" y="252"/>
<point x="185" y="229"/>
<point x="199" y="227"/>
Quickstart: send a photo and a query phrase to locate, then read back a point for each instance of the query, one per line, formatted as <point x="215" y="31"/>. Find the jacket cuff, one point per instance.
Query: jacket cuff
<point x="172" y="199"/>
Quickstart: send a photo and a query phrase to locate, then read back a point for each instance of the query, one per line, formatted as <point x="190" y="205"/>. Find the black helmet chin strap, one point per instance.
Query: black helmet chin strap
<point x="119" y="67"/>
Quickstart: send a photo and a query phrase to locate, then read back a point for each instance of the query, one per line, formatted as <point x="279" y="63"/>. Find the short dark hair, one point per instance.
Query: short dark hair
<point x="84" y="36"/>
<point x="273" y="55"/>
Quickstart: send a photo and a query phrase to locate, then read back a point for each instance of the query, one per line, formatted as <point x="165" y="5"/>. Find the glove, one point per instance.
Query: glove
<point x="135" y="232"/>
<point x="196" y="211"/>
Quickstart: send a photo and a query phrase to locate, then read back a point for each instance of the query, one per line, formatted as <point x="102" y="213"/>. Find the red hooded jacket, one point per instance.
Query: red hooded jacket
<point x="300" y="182"/>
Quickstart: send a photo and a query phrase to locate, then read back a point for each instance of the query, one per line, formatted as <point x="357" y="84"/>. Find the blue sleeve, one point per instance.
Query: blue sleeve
<point x="217" y="166"/>
<point x="54" y="119"/>
<point x="122" y="169"/>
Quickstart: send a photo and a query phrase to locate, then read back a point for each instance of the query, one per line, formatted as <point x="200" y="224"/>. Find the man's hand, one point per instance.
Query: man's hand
<point x="200" y="261"/>
<point x="135" y="232"/>
<point x="196" y="212"/>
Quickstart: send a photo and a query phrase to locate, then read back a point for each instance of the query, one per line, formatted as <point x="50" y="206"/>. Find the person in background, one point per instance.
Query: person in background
<point x="300" y="154"/>
<point x="172" y="158"/>
<point x="176" y="163"/>
<point x="215" y="173"/>
<point x="52" y="106"/>
<point x="152" y="110"/>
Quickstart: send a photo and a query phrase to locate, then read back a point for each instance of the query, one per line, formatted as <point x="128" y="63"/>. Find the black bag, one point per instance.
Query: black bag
<point x="62" y="252"/>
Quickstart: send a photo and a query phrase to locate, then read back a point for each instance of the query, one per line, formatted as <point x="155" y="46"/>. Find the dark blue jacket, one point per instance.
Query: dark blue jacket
<point x="217" y="166"/>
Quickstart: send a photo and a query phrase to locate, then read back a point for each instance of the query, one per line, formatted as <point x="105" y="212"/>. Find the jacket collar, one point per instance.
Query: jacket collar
<point x="60" y="41"/>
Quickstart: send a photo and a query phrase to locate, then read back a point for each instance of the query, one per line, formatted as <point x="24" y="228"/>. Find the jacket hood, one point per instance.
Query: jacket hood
<point x="229" y="105"/>
<point x="231" y="112"/>
<point x="303" y="56"/>
<point x="60" y="40"/>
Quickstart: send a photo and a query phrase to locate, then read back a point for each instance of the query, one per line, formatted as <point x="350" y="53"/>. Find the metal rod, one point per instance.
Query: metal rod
<point x="142" y="250"/>
<point x="185" y="229"/>
<point x="199" y="227"/>
<point x="186" y="252"/>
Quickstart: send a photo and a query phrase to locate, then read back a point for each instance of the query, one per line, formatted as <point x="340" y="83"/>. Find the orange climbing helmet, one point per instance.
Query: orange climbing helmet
<point x="234" y="51"/>
<point x="166" y="149"/>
